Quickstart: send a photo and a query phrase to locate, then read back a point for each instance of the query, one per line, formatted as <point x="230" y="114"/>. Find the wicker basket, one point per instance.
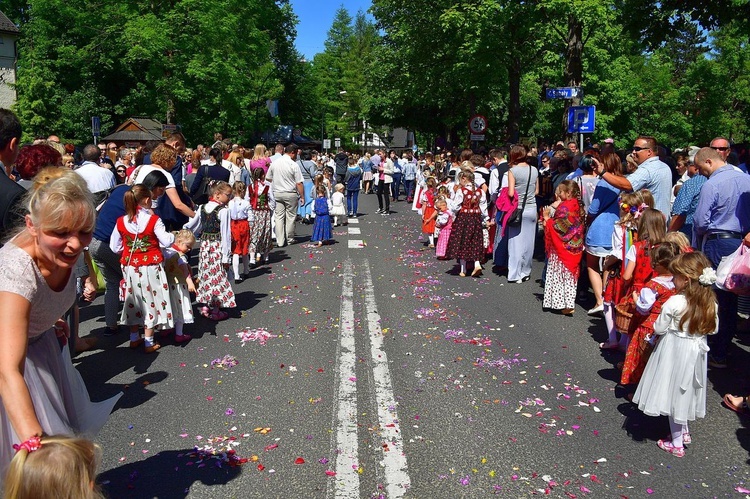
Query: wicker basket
<point x="622" y="319"/>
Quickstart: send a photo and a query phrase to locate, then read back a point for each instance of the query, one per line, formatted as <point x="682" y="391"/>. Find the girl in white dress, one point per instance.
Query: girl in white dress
<point x="674" y="381"/>
<point x="338" y="205"/>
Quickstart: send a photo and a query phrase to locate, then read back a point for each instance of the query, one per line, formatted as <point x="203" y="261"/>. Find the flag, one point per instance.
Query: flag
<point x="273" y="107"/>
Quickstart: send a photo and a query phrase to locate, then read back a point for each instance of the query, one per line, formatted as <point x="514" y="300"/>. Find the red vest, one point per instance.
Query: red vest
<point x="145" y="248"/>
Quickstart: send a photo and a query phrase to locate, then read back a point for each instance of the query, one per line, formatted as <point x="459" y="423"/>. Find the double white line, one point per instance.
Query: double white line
<point x="346" y="482"/>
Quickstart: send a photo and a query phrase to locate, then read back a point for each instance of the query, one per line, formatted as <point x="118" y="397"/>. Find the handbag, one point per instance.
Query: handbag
<point x="517" y="217"/>
<point x="204" y="189"/>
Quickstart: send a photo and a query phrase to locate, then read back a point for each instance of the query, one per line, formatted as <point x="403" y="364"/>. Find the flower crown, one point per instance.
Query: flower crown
<point x="708" y="277"/>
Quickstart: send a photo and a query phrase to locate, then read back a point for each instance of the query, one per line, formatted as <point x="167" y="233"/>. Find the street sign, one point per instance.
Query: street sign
<point x="581" y="119"/>
<point x="326" y="143"/>
<point x="477" y="124"/>
<point x="477" y="136"/>
<point x="96" y="124"/>
<point x="168" y="129"/>
<point x="563" y="93"/>
<point x="337" y="142"/>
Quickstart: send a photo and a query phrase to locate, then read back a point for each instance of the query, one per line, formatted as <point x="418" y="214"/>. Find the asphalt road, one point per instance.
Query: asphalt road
<point x="384" y="374"/>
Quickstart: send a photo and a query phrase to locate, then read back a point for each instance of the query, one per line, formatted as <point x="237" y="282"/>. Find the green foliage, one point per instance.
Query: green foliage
<point x="208" y="65"/>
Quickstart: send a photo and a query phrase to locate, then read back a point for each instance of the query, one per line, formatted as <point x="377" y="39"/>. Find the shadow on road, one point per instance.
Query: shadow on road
<point x="168" y="474"/>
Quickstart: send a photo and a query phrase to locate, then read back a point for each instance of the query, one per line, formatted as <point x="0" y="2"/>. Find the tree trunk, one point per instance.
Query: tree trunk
<point x="573" y="66"/>
<point x="514" y="98"/>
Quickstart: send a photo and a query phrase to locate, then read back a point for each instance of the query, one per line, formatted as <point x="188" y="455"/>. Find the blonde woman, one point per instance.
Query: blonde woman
<point x="260" y="159"/>
<point x="41" y="391"/>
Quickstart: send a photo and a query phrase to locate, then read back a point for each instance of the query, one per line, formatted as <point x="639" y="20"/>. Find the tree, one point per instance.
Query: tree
<point x="204" y="64"/>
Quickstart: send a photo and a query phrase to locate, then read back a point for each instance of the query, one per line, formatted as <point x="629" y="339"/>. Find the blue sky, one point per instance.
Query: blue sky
<point x="315" y="18"/>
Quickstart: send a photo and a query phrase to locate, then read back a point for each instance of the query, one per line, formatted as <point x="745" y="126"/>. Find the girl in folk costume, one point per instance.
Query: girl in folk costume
<point x="646" y="307"/>
<point x="262" y="204"/>
<point x="638" y="270"/>
<point x="322" y="230"/>
<point x="181" y="282"/>
<point x="137" y="237"/>
<point x="674" y="381"/>
<point x="563" y="237"/>
<point x="443" y="225"/>
<point x="214" y="289"/>
<point x="615" y="287"/>
<point x="428" y="210"/>
<point x="240" y="214"/>
<point x="466" y="241"/>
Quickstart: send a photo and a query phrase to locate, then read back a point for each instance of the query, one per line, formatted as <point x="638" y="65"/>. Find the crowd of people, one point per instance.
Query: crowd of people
<point x="646" y="229"/>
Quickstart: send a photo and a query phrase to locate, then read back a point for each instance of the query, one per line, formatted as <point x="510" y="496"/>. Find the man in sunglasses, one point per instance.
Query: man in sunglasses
<point x="652" y="174"/>
<point x="721" y="145"/>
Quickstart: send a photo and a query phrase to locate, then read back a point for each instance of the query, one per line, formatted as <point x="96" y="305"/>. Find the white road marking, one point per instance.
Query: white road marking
<point x="345" y="485"/>
<point x="397" y="480"/>
<point x="356" y="244"/>
<point x="355" y="231"/>
<point x="353" y="220"/>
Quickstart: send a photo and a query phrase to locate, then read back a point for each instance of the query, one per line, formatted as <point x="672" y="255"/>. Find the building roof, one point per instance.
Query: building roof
<point x="7" y="26"/>
<point x="136" y="130"/>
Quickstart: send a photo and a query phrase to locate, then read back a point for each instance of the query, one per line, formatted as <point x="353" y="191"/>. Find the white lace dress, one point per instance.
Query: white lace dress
<point x="674" y="381"/>
<point x="59" y="395"/>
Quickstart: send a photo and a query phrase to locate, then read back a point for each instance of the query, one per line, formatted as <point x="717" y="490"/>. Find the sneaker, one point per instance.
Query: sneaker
<point x="667" y="445"/>
<point x="109" y="331"/>
<point x="182" y="338"/>
<point x="717" y="363"/>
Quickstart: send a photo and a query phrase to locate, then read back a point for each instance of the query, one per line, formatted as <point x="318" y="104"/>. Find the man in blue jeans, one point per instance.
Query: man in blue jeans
<point x="721" y="223"/>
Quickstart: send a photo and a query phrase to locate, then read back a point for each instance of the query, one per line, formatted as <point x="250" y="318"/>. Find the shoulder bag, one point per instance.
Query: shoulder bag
<point x="517" y="216"/>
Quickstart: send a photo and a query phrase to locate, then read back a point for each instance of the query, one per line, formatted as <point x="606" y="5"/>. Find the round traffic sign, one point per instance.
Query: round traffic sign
<point x="478" y="124"/>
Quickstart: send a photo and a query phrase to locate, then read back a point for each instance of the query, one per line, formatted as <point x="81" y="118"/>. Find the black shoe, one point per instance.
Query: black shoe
<point x="108" y="331"/>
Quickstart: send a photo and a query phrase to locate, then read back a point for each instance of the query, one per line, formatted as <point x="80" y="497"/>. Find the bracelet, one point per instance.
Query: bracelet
<point x="30" y="445"/>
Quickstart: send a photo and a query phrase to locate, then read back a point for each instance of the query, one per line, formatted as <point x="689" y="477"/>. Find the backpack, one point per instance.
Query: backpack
<point x="204" y="189"/>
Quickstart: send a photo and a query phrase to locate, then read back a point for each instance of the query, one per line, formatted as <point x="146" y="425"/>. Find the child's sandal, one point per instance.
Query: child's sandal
<point x="667" y="445"/>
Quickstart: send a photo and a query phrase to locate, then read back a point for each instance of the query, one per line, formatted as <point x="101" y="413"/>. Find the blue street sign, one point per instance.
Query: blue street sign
<point x="95" y="125"/>
<point x="563" y="93"/>
<point x="581" y="119"/>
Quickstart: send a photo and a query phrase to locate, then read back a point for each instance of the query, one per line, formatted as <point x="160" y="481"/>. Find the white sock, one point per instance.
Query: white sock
<point x="609" y="320"/>
<point x="149" y="341"/>
<point x="477" y="265"/>
<point x="335" y="220"/>
<point x="463" y="266"/>
<point x="236" y="266"/>
<point x="135" y="336"/>
<point x="677" y="431"/>
<point x="432" y="238"/>
<point x="178" y="328"/>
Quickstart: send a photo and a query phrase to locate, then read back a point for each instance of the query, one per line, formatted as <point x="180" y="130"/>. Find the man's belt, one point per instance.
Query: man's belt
<point x="724" y="234"/>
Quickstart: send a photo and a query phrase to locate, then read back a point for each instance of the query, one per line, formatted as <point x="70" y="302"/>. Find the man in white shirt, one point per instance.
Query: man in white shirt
<point x="289" y="192"/>
<point x="99" y="180"/>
